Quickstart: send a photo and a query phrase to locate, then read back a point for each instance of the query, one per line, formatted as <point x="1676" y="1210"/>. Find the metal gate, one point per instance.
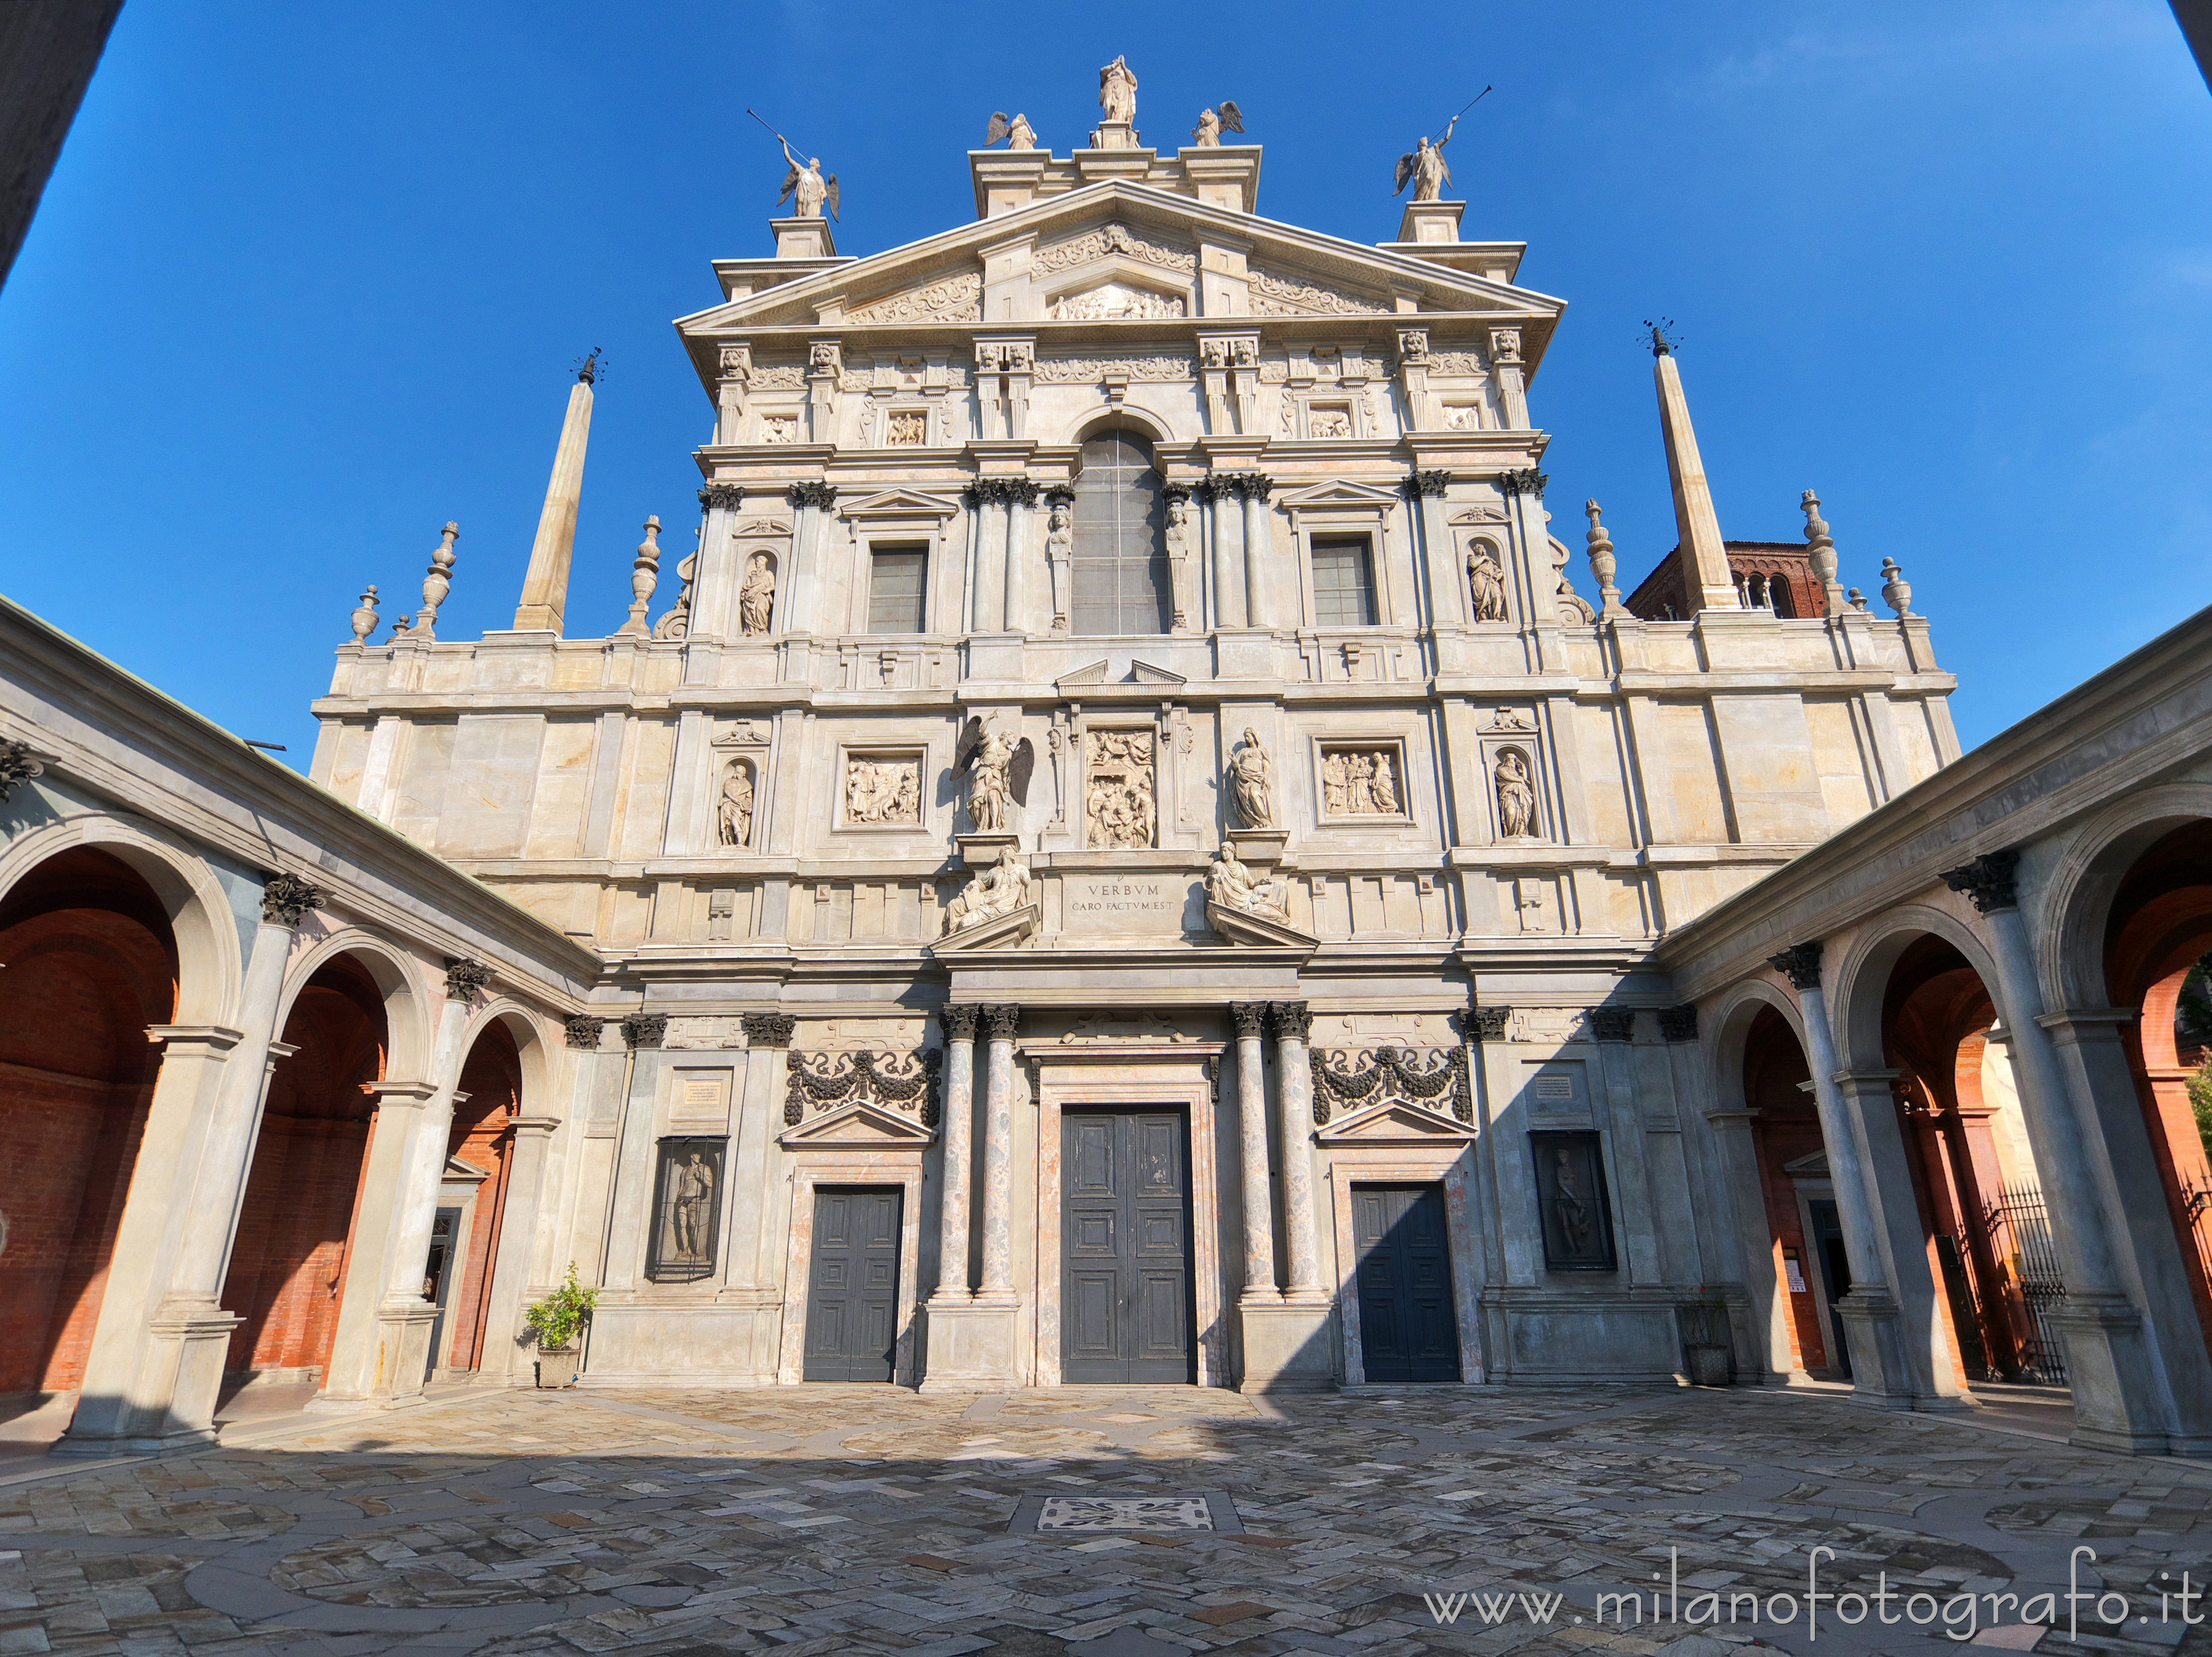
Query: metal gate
<point x="2019" y="1231"/>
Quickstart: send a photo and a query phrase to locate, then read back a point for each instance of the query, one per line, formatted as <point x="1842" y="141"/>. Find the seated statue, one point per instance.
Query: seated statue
<point x="998" y="891"/>
<point x="1232" y="884"/>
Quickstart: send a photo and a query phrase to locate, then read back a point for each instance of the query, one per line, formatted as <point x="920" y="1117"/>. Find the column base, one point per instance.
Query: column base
<point x="403" y="1351"/>
<point x="1873" y="1328"/>
<point x="969" y="1348"/>
<point x="178" y="1381"/>
<point x="2109" y="1370"/>
<point x="1288" y="1348"/>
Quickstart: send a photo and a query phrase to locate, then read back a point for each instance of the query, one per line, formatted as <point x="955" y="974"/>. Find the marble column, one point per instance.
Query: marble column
<point x="958" y="1157"/>
<point x="1014" y="615"/>
<point x="1294" y="1082"/>
<point x="999" y="1023"/>
<point x="531" y="1150"/>
<point x="1228" y="560"/>
<point x="1248" y="1017"/>
<point x="1259" y="611"/>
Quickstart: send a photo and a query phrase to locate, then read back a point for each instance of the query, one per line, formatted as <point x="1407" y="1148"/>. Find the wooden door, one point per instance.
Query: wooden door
<point x="1407" y="1328"/>
<point x="1126" y="1305"/>
<point x="852" y="1292"/>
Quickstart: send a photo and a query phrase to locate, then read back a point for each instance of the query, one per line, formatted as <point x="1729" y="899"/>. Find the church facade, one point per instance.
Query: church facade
<point x="1127" y="857"/>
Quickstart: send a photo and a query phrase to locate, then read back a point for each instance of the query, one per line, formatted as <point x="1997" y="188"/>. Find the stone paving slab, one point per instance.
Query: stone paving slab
<point x="857" y="1519"/>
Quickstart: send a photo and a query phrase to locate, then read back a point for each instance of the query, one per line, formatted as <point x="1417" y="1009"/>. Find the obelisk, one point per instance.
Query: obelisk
<point x="1705" y="577"/>
<point x="545" y="585"/>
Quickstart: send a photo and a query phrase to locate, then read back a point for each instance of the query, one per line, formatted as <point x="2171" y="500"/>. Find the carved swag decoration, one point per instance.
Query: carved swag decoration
<point x="1340" y="1077"/>
<point x="899" y="1081"/>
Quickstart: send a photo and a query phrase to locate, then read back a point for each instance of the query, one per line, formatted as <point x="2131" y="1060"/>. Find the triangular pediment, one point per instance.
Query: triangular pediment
<point x="1339" y="492"/>
<point x="1140" y="237"/>
<point x="1000" y="932"/>
<point x="1396" y="1121"/>
<point x="1266" y="931"/>
<point x="1082" y="677"/>
<point x="900" y="503"/>
<point x="1145" y="673"/>
<point x="858" y="1122"/>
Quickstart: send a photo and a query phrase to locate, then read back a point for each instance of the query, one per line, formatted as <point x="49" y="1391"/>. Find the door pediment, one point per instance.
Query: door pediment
<point x="1396" y="1122"/>
<point x="858" y="1122"/>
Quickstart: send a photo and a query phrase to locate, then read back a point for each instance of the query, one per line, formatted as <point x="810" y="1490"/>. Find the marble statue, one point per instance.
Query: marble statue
<point x="1425" y="166"/>
<point x="998" y="773"/>
<point x="1117" y="92"/>
<point x="692" y="1206"/>
<point x="998" y="891"/>
<point x="1018" y="133"/>
<point x="1059" y="549"/>
<point x="1485" y="580"/>
<point x="1251" y="788"/>
<point x="1231" y="883"/>
<point x="806" y="183"/>
<point x="1211" y="123"/>
<point x="757" y="597"/>
<point x="735" y="811"/>
<point x="1516" y="797"/>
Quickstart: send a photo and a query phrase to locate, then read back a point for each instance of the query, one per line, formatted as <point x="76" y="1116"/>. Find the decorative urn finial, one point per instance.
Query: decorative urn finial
<point x="365" y="617"/>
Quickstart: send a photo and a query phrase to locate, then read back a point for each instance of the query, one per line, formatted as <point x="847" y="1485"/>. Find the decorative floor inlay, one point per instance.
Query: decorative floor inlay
<point x="1125" y="1513"/>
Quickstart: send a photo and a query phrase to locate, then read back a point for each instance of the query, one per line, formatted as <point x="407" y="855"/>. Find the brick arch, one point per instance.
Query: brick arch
<point x="295" y="1224"/>
<point x="89" y="961"/>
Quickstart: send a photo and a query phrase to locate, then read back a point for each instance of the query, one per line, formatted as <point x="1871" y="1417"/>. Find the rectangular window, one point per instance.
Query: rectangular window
<point x="1344" y="583"/>
<point x="895" y="577"/>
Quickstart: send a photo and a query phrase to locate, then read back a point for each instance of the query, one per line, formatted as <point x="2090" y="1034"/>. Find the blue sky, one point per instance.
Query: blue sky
<point x="308" y="281"/>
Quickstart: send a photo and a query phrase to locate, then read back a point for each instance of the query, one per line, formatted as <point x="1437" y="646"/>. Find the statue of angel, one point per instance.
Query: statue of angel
<point x="1117" y="92"/>
<point x="807" y="183"/>
<point x="1425" y="166"/>
<point x="1212" y="124"/>
<point x="998" y="770"/>
<point x="1018" y="133"/>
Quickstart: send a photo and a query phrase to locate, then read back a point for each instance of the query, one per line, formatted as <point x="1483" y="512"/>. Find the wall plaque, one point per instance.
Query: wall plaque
<point x="1125" y="903"/>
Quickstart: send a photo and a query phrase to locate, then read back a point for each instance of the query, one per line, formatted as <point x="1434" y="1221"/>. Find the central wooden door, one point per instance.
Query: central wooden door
<point x="1126" y="1304"/>
<point x="1407" y="1329"/>
<point x="851" y="1284"/>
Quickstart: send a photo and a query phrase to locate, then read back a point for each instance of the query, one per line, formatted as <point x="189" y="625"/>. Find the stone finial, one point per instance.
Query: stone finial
<point x="365" y="617"/>
<point x="1823" y="551"/>
<point x="1991" y="880"/>
<point x="1602" y="561"/>
<point x="465" y="980"/>
<point x="1858" y="600"/>
<point x="1896" y="593"/>
<point x="1799" y="964"/>
<point x="644" y="576"/>
<point x="286" y="900"/>
<point x="437" y="581"/>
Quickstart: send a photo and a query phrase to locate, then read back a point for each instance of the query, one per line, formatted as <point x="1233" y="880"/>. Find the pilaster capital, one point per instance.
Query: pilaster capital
<point x="1801" y="964"/>
<point x="768" y="1030"/>
<point x="287" y="899"/>
<point x="583" y="1031"/>
<point x="1292" y="1020"/>
<point x="1248" y="1017"/>
<point x="1003" y="1022"/>
<point x="1612" y="1024"/>
<point x="466" y="978"/>
<point x="1487" y="1023"/>
<point x="19" y="763"/>
<point x="1989" y="881"/>
<point x="644" y="1030"/>
<point x="728" y="496"/>
<point x="1433" y="482"/>
<point x="1678" y="1023"/>
<point x="959" y="1021"/>
<point x="812" y="493"/>
<point x="1525" y="480"/>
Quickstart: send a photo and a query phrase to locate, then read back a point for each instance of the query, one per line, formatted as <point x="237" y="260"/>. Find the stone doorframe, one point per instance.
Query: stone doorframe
<point x="1448" y="1164"/>
<point x="899" y="1166"/>
<point x="1134" y="1075"/>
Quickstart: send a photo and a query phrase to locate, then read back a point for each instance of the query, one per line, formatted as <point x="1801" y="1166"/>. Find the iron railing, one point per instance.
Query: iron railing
<point x="2019" y="1230"/>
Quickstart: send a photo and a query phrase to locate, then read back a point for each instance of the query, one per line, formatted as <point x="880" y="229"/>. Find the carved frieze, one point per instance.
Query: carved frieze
<point x="956" y="298"/>
<point x="702" y="1035"/>
<point x="882" y="789"/>
<point x="907" y="1083"/>
<point x="778" y="376"/>
<point x="1114" y="302"/>
<point x="907" y="429"/>
<point x="1286" y="296"/>
<point x="778" y="428"/>
<point x="1091" y="370"/>
<point x="1105" y="242"/>
<point x="1467" y="365"/>
<point x="1355" y="1078"/>
<point x="1547" y="1026"/>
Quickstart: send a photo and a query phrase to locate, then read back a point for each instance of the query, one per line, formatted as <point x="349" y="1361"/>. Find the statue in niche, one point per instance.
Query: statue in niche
<point x="998" y="772"/>
<point x="807" y="184"/>
<point x="757" y="597"/>
<point x="1251" y="785"/>
<point x="883" y="791"/>
<point x="1117" y="92"/>
<point x="1018" y="133"/>
<point x="691" y="1206"/>
<point x="1059" y="549"/>
<point x="1424" y="165"/>
<point x="998" y="891"/>
<point x="1118" y="800"/>
<point x="1231" y="883"/>
<point x="1516" y="796"/>
<point x="1485" y="580"/>
<point x="1571" y="1204"/>
<point x="733" y="812"/>
<point x="1212" y="124"/>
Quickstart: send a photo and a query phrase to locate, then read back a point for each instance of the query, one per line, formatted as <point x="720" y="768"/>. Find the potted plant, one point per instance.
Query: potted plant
<point x="556" y="1322"/>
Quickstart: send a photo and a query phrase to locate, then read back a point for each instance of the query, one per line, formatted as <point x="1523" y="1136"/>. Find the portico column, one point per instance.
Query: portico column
<point x="531" y="1150"/>
<point x="1252" y="1144"/>
<point x="1883" y="1371"/>
<point x="958" y="1157"/>
<point x="999" y="1023"/>
<point x="171" y="1398"/>
<point x="2113" y="1361"/>
<point x="1294" y="1083"/>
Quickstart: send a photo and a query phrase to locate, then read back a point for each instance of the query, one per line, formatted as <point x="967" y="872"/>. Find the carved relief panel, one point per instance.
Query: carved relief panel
<point x="1363" y="780"/>
<point x="1120" y="804"/>
<point x="882" y="790"/>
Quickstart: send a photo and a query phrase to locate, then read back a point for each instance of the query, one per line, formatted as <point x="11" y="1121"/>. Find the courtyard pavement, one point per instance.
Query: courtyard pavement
<point x="1114" y="1522"/>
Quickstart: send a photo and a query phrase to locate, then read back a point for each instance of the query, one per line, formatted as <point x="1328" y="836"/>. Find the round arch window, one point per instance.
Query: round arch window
<point x="1118" y="564"/>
